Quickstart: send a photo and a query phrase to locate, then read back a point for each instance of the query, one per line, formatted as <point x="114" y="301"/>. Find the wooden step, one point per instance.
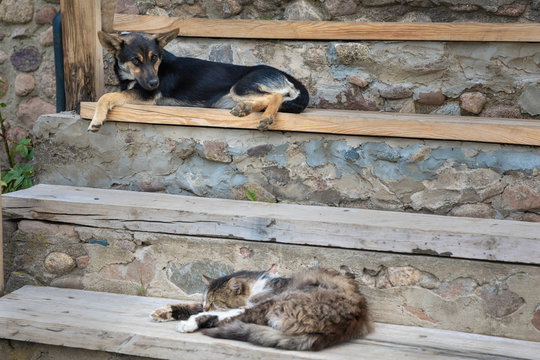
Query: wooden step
<point x="121" y="324"/>
<point x="470" y="238"/>
<point x="421" y="126"/>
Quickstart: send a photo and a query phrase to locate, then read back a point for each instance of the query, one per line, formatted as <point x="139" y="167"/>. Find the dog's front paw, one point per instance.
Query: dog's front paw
<point x="162" y="314"/>
<point x="241" y="109"/>
<point x="95" y="125"/>
<point x="265" y="123"/>
<point x="187" y="326"/>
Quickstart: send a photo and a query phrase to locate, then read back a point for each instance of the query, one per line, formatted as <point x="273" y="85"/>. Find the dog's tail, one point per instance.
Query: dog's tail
<point x="298" y="104"/>
<point x="264" y="336"/>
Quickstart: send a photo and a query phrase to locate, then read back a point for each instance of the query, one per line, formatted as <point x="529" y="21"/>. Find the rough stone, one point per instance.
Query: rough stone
<point x="408" y="107"/>
<point x="3" y="57"/>
<point x="69" y="281"/>
<point x="529" y="99"/>
<point x="503" y="111"/>
<point x="520" y="196"/>
<point x="127" y="7"/>
<point x="358" y="81"/>
<point x="415" y="17"/>
<point x="303" y="10"/>
<point x="27" y="59"/>
<point x="221" y="53"/>
<point x="464" y="8"/>
<point x="140" y="271"/>
<point x="404" y="276"/>
<point x="260" y="150"/>
<point x="19" y="279"/>
<point x="45" y="15"/>
<point x="46" y="37"/>
<point x="4" y="86"/>
<point x="431" y="98"/>
<point x="216" y="151"/>
<point x="29" y="111"/>
<point x="419" y="313"/>
<point x="229" y="8"/>
<point x="45" y="228"/>
<point x="379" y="2"/>
<point x="340" y="7"/>
<point x="499" y="300"/>
<point x="479" y="210"/>
<point x="59" y="263"/>
<point x="47" y="79"/>
<point x="454" y="289"/>
<point x="473" y="102"/>
<point x="16" y="11"/>
<point x="353" y="53"/>
<point x="82" y="261"/>
<point x="24" y="84"/>
<point x="188" y="277"/>
<point x="512" y="10"/>
<point x="536" y="319"/>
<point x="17" y="133"/>
<point x="395" y="92"/>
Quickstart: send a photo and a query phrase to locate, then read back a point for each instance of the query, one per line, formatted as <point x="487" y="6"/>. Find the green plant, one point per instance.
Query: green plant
<point x="251" y="196"/>
<point x="142" y="288"/>
<point x="18" y="176"/>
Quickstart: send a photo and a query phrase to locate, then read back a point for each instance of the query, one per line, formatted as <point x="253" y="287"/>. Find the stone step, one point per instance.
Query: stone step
<point x="161" y="244"/>
<point x="461" y="237"/>
<point x="121" y="324"/>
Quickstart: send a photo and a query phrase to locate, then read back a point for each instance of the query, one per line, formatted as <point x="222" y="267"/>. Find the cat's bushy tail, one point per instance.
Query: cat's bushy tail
<point x="263" y="336"/>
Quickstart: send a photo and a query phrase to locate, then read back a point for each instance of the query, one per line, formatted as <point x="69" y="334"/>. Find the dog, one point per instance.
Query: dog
<point x="150" y="75"/>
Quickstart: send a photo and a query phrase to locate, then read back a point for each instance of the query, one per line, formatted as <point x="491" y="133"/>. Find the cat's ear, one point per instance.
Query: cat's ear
<point x="206" y="279"/>
<point x="235" y="285"/>
<point x="273" y="269"/>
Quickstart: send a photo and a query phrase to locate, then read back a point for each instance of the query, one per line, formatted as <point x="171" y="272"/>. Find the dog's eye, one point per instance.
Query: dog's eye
<point x="136" y="61"/>
<point x="154" y="58"/>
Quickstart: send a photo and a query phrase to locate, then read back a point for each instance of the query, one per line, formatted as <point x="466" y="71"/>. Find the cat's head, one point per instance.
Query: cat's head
<point x="228" y="292"/>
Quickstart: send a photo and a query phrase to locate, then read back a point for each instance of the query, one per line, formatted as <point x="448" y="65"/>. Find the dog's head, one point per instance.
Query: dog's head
<point x="138" y="55"/>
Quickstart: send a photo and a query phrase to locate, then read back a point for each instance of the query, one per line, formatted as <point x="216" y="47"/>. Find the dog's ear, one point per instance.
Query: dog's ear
<point x="111" y="43"/>
<point x="165" y="38"/>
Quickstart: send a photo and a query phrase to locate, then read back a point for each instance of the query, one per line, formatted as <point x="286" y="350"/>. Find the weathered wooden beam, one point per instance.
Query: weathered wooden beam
<point x="467" y="128"/>
<point x="108" y="8"/>
<point x="470" y="238"/>
<point x="45" y="315"/>
<point x="83" y="56"/>
<point x="1" y="252"/>
<point x="330" y="30"/>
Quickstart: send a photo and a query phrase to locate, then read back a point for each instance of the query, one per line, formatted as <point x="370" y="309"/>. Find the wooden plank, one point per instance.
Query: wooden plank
<point x="1" y="251"/>
<point x="330" y="30"/>
<point x="108" y="8"/>
<point x="83" y="56"/>
<point x="465" y="128"/>
<point x="470" y="238"/>
<point x="46" y="315"/>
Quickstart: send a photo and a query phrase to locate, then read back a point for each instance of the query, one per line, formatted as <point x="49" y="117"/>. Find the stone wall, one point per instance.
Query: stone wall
<point x="465" y="295"/>
<point x="445" y="78"/>
<point x="439" y="177"/>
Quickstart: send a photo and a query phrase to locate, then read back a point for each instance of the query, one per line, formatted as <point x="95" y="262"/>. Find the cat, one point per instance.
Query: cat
<point x="311" y="310"/>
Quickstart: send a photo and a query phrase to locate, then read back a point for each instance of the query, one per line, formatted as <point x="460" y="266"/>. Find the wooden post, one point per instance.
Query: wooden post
<point x="83" y="56"/>
<point x="1" y="252"/>
<point x="108" y="8"/>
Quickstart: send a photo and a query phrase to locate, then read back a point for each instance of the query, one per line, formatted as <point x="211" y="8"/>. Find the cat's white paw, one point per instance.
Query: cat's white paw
<point x="187" y="326"/>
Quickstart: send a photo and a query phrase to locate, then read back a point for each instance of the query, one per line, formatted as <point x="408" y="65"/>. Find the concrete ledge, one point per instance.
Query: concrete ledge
<point x="120" y="324"/>
<point x="484" y="239"/>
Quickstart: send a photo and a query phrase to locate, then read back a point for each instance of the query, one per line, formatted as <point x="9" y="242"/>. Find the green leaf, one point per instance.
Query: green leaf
<point x="250" y="194"/>
<point x="2" y="105"/>
<point x="25" y="140"/>
<point x="18" y="181"/>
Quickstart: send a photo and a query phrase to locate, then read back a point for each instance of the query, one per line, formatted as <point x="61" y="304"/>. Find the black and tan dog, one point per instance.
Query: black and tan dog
<point x="148" y="74"/>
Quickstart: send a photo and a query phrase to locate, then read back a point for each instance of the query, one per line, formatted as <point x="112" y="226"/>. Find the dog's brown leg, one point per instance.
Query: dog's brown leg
<point x="110" y="100"/>
<point x="273" y="103"/>
<point x="270" y="103"/>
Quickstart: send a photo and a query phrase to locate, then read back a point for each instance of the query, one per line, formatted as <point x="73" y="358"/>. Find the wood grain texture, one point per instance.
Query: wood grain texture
<point x="83" y="57"/>
<point x="329" y="30"/>
<point x="120" y="324"/>
<point x="470" y="238"/>
<point x="466" y="128"/>
<point x="1" y="252"/>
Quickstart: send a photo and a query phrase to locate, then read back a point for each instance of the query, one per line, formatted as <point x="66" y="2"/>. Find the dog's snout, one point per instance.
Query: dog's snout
<point x="153" y="83"/>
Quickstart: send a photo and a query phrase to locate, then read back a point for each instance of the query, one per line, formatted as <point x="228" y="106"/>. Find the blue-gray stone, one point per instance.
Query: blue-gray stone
<point x="98" y="242"/>
<point x="189" y="277"/>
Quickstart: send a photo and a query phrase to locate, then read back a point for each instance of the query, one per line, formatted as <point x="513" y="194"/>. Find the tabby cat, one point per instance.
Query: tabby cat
<point x="312" y="310"/>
